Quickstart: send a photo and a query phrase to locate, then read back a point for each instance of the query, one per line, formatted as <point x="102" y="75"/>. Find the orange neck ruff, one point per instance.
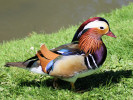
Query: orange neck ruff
<point x="90" y="43"/>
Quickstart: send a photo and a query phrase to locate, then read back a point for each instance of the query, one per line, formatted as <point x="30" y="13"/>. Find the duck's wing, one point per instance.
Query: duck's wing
<point x="68" y="49"/>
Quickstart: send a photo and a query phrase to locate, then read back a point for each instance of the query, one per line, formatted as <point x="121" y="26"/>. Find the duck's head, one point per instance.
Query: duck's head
<point x="95" y="27"/>
<point x="90" y="32"/>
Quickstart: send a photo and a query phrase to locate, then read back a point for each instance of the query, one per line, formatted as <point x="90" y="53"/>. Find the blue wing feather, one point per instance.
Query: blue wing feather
<point x="68" y="49"/>
<point x="49" y="66"/>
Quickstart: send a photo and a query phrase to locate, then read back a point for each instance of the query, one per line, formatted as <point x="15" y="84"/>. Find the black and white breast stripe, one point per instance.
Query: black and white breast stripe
<point x="90" y="62"/>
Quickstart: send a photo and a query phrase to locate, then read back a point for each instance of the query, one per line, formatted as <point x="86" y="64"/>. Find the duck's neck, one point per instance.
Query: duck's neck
<point x="89" y="44"/>
<point x="93" y="47"/>
<point x="100" y="55"/>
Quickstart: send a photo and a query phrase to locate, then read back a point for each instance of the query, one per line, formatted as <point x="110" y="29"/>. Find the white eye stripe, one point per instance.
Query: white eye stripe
<point x="96" y="24"/>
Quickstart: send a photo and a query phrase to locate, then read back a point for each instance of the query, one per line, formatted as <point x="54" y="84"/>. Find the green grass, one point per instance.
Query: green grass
<point x="114" y="81"/>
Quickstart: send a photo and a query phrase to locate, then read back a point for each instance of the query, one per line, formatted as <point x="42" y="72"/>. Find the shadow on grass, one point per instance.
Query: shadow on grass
<point x="87" y="83"/>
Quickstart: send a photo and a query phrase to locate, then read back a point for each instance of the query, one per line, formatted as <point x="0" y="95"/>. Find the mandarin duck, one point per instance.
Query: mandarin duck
<point x="80" y="58"/>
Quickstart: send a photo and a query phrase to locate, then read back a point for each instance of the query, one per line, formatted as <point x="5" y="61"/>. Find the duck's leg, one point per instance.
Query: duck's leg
<point x="55" y="84"/>
<point x="72" y="86"/>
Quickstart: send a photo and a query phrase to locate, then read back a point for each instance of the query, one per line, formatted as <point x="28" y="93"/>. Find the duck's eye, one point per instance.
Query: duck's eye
<point x="101" y="28"/>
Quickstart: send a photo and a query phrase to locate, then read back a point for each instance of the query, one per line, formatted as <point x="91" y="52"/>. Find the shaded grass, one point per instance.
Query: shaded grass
<point x="113" y="81"/>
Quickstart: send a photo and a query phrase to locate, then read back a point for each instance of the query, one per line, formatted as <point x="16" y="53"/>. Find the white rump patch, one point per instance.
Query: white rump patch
<point x="37" y="70"/>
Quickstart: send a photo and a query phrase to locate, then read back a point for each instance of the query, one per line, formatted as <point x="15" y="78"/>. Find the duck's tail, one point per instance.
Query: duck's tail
<point x="37" y="63"/>
<point x="15" y="64"/>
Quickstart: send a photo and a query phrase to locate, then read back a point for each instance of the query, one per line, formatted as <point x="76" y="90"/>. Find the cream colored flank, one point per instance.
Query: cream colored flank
<point x="68" y="66"/>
